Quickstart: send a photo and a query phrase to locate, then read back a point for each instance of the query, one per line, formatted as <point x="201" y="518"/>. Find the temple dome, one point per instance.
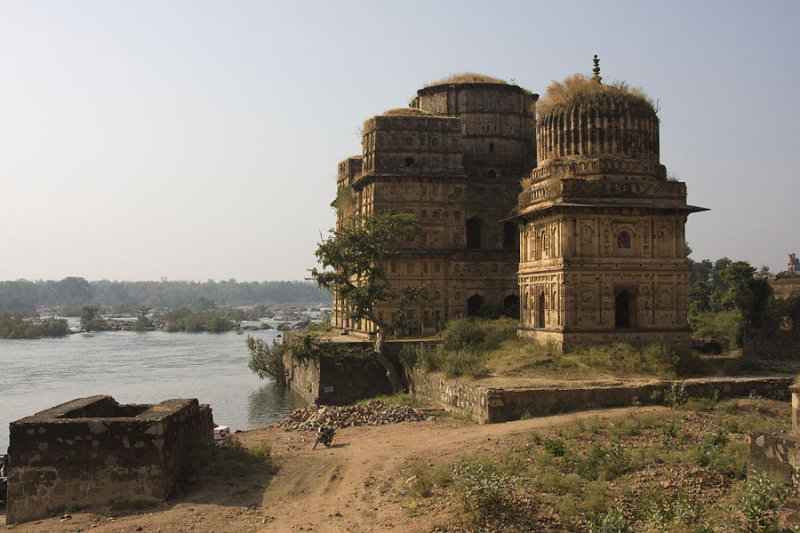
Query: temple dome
<point x="583" y="117"/>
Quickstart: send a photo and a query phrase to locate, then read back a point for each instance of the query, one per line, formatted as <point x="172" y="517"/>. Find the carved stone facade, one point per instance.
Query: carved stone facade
<point x="602" y="243"/>
<point x="590" y="249"/>
<point x="454" y="158"/>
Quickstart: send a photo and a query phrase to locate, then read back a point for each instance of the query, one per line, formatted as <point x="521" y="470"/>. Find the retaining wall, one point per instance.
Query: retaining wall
<point x="492" y="405"/>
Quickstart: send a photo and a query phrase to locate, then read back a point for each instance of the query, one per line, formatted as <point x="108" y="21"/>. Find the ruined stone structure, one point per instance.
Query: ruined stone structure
<point x="602" y="255"/>
<point x="94" y="452"/>
<point x="454" y="158"/>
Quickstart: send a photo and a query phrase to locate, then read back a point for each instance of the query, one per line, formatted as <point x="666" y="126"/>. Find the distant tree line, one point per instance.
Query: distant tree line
<point x="128" y="296"/>
<point x="727" y="300"/>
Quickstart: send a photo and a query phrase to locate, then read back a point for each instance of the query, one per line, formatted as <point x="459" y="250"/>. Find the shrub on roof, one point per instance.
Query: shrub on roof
<point x="580" y="89"/>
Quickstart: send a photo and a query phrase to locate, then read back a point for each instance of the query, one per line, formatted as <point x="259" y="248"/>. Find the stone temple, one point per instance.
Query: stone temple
<point x="454" y="158"/>
<point x="571" y="222"/>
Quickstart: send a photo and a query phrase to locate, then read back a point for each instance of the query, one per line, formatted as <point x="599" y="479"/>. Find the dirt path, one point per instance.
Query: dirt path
<point x="356" y="485"/>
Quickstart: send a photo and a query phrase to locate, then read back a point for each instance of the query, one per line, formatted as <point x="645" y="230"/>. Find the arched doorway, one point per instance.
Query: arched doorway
<point x="474" y="304"/>
<point x="540" y="310"/>
<point x="511" y="306"/>
<point x="474" y="231"/>
<point x="510" y="236"/>
<point x="624" y="305"/>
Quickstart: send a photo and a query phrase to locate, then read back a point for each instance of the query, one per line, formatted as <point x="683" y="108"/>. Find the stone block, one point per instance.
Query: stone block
<point x="79" y="453"/>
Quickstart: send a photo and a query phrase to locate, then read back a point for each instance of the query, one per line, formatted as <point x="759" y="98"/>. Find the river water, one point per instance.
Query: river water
<point x="143" y="367"/>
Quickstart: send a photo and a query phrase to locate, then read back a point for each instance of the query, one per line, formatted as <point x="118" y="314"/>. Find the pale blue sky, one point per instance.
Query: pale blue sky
<point x="199" y="139"/>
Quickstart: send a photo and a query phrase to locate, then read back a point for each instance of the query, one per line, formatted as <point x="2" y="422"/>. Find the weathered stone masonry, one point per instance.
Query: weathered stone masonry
<point x="778" y="452"/>
<point x="94" y="452"/>
<point x="454" y="158"/>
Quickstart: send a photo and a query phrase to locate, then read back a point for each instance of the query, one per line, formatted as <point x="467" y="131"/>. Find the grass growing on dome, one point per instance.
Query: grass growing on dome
<point x="467" y="77"/>
<point x="403" y="111"/>
<point x="580" y="89"/>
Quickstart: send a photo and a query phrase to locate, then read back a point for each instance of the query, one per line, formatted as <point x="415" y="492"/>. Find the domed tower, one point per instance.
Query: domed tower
<point x="454" y="158"/>
<point x="602" y="255"/>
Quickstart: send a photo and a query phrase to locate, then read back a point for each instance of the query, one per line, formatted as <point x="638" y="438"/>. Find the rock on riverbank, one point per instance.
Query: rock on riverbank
<point x="366" y="414"/>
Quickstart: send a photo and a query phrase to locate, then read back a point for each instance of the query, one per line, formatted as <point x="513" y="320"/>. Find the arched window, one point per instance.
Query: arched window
<point x="510" y="236"/>
<point x="474" y="230"/>
<point x="492" y="174"/>
<point x="474" y="304"/>
<point x="623" y="240"/>
<point x="511" y="306"/>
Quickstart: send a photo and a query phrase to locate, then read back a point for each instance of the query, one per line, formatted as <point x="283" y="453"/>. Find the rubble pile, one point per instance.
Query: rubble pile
<point x="366" y="414"/>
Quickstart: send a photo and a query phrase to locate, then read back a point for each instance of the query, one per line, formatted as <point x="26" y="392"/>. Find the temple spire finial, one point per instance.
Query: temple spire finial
<point x="596" y="70"/>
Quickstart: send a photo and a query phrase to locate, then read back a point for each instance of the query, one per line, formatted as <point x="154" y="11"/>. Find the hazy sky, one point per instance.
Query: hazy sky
<point x="199" y="139"/>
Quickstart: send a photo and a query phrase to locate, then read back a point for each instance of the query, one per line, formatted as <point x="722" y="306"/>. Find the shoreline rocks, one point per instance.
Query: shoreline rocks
<point x="373" y="413"/>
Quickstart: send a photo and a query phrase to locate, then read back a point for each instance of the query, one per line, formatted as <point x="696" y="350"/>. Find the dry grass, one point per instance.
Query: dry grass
<point x="403" y="111"/>
<point x="467" y="77"/>
<point x="581" y="89"/>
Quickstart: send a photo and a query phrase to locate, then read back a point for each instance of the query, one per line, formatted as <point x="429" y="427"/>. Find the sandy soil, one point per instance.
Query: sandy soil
<point x="357" y="485"/>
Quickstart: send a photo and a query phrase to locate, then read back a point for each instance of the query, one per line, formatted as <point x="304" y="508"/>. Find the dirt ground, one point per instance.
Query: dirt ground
<point x="356" y="485"/>
<point x="360" y="484"/>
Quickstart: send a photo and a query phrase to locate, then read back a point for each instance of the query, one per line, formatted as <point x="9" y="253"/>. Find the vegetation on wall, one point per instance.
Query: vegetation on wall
<point x="477" y="347"/>
<point x="467" y="77"/>
<point x="266" y="359"/>
<point x="582" y="90"/>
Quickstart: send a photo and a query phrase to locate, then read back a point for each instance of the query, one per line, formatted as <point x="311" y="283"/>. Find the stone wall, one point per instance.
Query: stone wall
<point x="332" y="382"/>
<point x="94" y="452"/>
<point x="493" y="405"/>
<point x="785" y="287"/>
<point x="466" y="399"/>
<point x="778" y="452"/>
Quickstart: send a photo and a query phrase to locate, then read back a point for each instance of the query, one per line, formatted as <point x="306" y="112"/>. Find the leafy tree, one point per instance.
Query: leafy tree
<point x="353" y="259"/>
<point x="91" y="319"/>
<point x="143" y="321"/>
<point x="748" y="294"/>
<point x="265" y="359"/>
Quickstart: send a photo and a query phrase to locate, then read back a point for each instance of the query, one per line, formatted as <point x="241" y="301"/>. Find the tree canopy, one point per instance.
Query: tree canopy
<point x="353" y="260"/>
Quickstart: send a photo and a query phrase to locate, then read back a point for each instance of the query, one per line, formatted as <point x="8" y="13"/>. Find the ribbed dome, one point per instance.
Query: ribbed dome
<point x="583" y="117"/>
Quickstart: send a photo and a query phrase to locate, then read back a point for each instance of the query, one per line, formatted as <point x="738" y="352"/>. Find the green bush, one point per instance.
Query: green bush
<point x="425" y="478"/>
<point x="265" y="359"/>
<point x="761" y="502"/>
<point x="462" y="333"/>
<point x="604" y="462"/>
<point x="465" y="363"/>
<point x="426" y="358"/>
<point x="483" y="491"/>
<point x="609" y="522"/>
<point x="723" y="326"/>
<point x="676" y="395"/>
<point x="555" y="447"/>
<point x="719" y="453"/>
